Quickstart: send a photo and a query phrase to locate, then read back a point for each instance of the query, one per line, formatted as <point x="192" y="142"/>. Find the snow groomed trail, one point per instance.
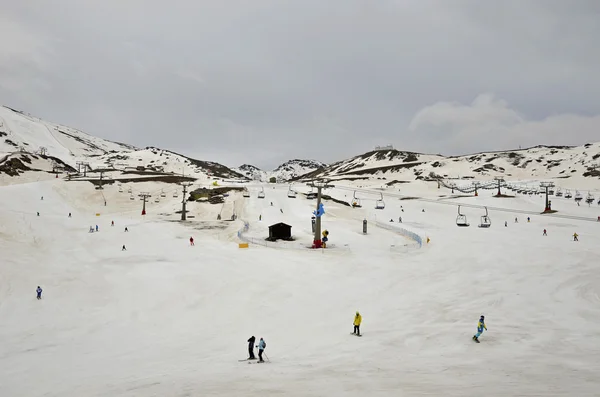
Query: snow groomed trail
<point x="164" y="318"/>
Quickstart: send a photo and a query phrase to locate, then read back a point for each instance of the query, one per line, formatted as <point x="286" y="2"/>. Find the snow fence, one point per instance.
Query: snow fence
<point x="417" y="240"/>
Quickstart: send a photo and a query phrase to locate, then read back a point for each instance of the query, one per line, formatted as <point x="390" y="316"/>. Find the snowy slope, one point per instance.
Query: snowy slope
<point x="31" y="144"/>
<point x="534" y="163"/>
<point x="163" y="318"/>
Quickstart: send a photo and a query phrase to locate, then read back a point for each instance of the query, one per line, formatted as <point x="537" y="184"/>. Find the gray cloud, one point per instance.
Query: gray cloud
<point x="263" y="81"/>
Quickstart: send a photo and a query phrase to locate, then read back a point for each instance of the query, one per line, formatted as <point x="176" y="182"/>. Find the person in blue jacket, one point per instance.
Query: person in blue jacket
<point x="262" y="345"/>
<point x="480" y="327"/>
<point x="39" y="292"/>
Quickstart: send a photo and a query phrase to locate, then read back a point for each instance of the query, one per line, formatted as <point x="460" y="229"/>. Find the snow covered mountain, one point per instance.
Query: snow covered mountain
<point x="532" y="163"/>
<point x="289" y="170"/>
<point x="28" y="143"/>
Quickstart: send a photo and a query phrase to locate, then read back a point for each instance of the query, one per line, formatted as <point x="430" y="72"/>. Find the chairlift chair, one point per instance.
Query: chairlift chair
<point x="568" y="194"/>
<point x="129" y="190"/>
<point x="485" y="220"/>
<point x="291" y="193"/>
<point x="246" y="193"/>
<point x="175" y="195"/>
<point x="163" y="194"/>
<point x="157" y="200"/>
<point x="379" y="204"/>
<point x="261" y="194"/>
<point x="461" y="219"/>
<point x="578" y="196"/>
<point x="559" y="193"/>
<point x="590" y="198"/>
<point x="131" y="197"/>
<point x="356" y="201"/>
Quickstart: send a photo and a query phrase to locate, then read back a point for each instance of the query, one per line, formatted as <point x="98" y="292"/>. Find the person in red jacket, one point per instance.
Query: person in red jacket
<point x="191" y="241"/>
<point x="545" y="234"/>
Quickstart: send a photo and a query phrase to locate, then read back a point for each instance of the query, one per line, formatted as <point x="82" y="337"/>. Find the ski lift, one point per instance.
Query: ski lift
<point x="131" y="197"/>
<point x="157" y="200"/>
<point x="291" y="193"/>
<point x="355" y="201"/>
<point x="246" y="193"/>
<point x="590" y="198"/>
<point x="461" y="219"/>
<point x="485" y="220"/>
<point x="175" y="194"/>
<point x="163" y="194"/>
<point x="558" y="192"/>
<point x="129" y="190"/>
<point x="379" y="204"/>
<point x="261" y="194"/>
<point x="568" y="194"/>
<point x="578" y="196"/>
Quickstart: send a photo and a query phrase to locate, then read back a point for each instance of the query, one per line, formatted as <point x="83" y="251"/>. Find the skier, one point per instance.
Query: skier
<point x="251" y="348"/>
<point x="575" y="237"/>
<point x="91" y="229"/>
<point x="126" y="229"/>
<point x="545" y="234"/>
<point x="400" y="219"/>
<point x="357" y="321"/>
<point x="260" y="217"/>
<point x="516" y="220"/>
<point x="69" y="214"/>
<point x="38" y="214"/>
<point x="124" y="249"/>
<point x="96" y="227"/>
<point x="528" y="219"/>
<point x="39" y="292"/>
<point x="505" y="224"/>
<point x="480" y="327"/>
<point x="262" y="345"/>
<point x="112" y="223"/>
<point x="42" y="197"/>
<point x="191" y="241"/>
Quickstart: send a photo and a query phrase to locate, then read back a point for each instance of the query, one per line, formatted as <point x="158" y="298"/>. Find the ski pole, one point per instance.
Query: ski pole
<point x="267" y="357"/>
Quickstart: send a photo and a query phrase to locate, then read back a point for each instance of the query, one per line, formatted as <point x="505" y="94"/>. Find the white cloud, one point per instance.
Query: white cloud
<point x="489" y="123"/>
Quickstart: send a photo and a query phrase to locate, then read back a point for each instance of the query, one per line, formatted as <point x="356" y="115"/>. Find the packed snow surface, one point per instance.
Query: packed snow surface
<point x="164" y="318"/>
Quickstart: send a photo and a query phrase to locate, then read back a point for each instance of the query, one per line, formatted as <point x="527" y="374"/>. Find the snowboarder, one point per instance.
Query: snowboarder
<point x="191" y="241"/>
<point x="124" y="249"/>
<point x="39" y="292"/>
<point x="126" y="229"/>
<point x="575" y="237"/>
<point x="357" y="321"/>
<point x="545" y="234"/>
<point x="262" y="345"/>
<point x="480" y="327"/>
<point x="251" y="348"/>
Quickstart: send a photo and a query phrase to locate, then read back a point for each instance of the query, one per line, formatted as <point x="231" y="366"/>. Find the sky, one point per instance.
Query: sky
<point x="265" y="81"/>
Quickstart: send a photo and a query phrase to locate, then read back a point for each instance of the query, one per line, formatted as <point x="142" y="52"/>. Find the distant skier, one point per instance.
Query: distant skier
<point x="38" y="214"/>
<point x="357" y="321"/>
<point x="42" y="197"/>
<point x="112" y="223"/>
<point x="400" y="219"/>
<point x="480" y="327"/>
<point x="126" y="229"/>
<point x="528" y="219"/>
<point x="96" y="227"/>
<point x="391" y="220"/>
<point x="91" y="229"/>
<point x="124" y="249"/>
<point x="575" y="237"/>
<point x="191" y="241"/>
<point x="251" y="348"/>
<point x="69" y="214"/>
<point x="545" y="234"/>
<point x="260" y="217"/>
<point x="516" y="220"/>
<point x="39" y="292"/>
<point x="505" y="224"/>
<point x="262" y="345"/>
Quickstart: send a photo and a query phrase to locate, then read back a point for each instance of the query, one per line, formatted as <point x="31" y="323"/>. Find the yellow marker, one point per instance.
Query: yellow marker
<point x="243" y="245"/>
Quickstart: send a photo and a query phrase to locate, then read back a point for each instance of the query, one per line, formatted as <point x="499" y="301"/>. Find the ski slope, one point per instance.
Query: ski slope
<point x="167" y="319"/>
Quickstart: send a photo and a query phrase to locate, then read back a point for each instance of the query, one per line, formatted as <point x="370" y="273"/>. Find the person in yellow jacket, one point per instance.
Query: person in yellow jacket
<point x="357" y="321"/>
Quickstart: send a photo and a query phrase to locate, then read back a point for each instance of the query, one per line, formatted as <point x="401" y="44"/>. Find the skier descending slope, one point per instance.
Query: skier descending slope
<point x="262" y="345"/>
<point x="39" y="292"/>
<point x="251" y="348"/>
<point x="357" y="321"/>
<point x="480" y="327"/>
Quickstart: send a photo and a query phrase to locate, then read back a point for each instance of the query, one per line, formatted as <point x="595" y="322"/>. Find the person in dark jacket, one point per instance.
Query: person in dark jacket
<point x="251" y="348"/>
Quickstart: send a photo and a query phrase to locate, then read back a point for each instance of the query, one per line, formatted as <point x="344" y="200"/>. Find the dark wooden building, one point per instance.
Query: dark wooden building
<point x="280" y="231"/>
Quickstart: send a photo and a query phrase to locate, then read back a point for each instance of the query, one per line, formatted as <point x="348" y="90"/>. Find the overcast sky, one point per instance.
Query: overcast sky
<point x="264" y="81"/>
